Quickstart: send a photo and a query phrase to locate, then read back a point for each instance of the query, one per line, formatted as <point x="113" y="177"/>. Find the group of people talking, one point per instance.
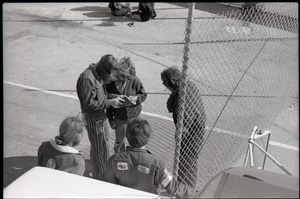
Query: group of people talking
<point x="110" y="95"/>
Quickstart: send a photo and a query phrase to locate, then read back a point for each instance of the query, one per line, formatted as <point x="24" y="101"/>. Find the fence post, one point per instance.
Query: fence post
<point x="179" y="125"/>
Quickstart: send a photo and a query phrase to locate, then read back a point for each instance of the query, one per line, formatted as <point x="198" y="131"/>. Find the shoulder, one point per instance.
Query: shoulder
<point x="87" y="73"/>
<point x="76" y="158"/>
<point x="119" y="156"/>
<point x="153" y="159"/>
<point x="45" y="144"/>
<point x="158" y="161"/>
<point x="135" y="80"/>
<point x="192" y="87"/>
<point x="79" y="159"/>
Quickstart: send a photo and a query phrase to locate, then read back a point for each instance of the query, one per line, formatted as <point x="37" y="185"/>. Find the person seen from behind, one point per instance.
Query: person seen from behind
<point x="59" y="153"/>
<point x="138" y="168"/>
<point x="126" y="85"/>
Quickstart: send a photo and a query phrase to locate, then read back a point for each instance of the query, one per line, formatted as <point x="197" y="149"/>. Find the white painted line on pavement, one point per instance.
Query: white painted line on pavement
<point x="40" y="89"/>
<point x="151" y="114"/>
<point x="284" y="146"/>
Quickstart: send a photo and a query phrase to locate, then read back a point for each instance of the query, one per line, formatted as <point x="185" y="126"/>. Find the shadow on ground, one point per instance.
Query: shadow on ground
<point x="103" y="12"/>
<point x="14" y="167"/>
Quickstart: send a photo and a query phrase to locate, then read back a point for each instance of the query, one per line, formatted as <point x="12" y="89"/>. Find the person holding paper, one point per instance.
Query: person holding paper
<point x="130" y="88"/>
<point x="93" y="100"/>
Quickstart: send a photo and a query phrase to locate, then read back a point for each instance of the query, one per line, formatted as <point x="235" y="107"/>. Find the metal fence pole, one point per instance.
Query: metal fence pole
<point x="181" y="109"/>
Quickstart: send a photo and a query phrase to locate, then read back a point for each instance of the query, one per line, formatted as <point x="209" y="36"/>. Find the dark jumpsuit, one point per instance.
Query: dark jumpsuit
<point x="139" y="169"/>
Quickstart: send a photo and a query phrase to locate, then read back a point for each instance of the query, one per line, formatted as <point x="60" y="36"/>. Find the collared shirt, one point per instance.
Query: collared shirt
<point x="137" y="168"/>
<point x="64" y="158"/>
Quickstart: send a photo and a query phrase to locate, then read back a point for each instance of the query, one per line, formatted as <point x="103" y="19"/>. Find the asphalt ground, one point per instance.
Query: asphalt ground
<point x="47" y="45"/>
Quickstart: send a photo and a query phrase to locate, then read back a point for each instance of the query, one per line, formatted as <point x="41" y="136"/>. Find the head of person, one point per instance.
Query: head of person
<point x="138" y="132"/>
<point x="126" y="69"/>
<point x="171" y="78"/>
<point x="70" y="131"/>
<point x="107" y="67"/>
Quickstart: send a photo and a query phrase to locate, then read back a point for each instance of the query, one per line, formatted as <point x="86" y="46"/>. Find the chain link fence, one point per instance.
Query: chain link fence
<point x="240" y="70"/>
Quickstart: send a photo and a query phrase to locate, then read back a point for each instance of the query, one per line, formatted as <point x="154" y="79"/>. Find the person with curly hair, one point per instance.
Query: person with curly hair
<point x="127" y="85"/>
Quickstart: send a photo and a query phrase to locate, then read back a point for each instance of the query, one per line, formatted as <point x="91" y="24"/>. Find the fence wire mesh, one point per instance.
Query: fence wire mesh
<point x="242" y="70"/>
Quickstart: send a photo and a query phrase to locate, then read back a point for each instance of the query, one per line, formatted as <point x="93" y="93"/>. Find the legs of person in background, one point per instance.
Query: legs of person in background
<point x="189" y="153"/>
<point x="120" y="135"/>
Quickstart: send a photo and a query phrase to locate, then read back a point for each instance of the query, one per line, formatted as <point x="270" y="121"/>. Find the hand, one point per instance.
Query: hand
<point x="116" y="102"/>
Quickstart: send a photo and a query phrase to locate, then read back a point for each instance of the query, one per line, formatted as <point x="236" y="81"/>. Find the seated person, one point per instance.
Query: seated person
<point x="139" y="169"/>
<point x="120" y="9"/>
<point x="59" y="153"/>
<point x="145" y="12"/>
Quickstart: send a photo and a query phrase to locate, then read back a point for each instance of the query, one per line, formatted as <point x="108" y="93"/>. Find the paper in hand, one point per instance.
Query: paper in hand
<point x="127" y="102"/>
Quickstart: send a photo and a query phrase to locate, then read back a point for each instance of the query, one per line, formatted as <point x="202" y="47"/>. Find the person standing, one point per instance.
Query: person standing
<point x="129" y="85"/>
<point x="193" y="123"/>
<point x="92" y="95"/>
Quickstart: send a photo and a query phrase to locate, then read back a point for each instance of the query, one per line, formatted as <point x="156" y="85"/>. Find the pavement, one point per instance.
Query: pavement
<point x="47" y="45"/>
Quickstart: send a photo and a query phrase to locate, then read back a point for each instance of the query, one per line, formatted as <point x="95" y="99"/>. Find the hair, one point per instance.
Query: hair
<point x="70" y="131"/>
<point x="126" y="69"/>
<point x="138" y="132"/>
<point x="106" y="67"/>
<point x="171" y="73"/>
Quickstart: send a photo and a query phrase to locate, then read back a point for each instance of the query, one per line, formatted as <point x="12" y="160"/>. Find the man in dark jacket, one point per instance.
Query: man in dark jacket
<point x="193" y="123"/>
<point x="91" y="92"/>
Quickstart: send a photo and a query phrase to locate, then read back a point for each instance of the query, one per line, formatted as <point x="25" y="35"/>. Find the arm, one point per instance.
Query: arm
<point x="109" y="174"/>
<point x="170" y="102"/>
<point x="79" y="167"/>
<point x="194" y="100"/>
<point x="88" y="96"/>
<point x="40" y="156"/>
<point x="140" y="91"/>
<point x="180" y="190"/>
<point x="173" y="187"/>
